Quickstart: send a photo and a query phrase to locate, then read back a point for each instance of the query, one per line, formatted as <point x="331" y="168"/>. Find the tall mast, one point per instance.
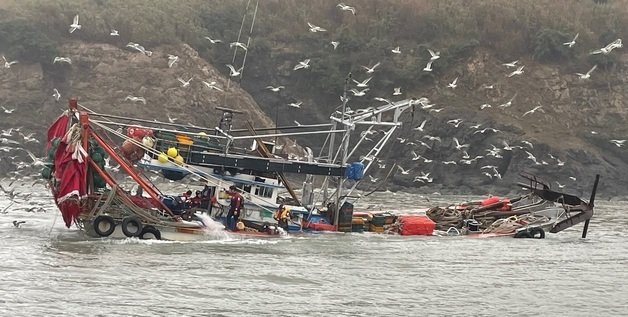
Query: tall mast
<point x="344" y="147"/>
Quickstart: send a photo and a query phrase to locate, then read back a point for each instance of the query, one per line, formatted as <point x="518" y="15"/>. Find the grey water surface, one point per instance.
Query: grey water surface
<point x="49" y="270"/>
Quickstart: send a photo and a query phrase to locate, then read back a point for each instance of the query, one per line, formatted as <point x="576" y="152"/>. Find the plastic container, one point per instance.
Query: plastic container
<point x="416" y="225"/>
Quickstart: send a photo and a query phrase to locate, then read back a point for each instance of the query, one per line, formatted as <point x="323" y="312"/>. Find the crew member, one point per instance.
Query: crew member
<point x="282" y="215"/>
<point x="196" y="200"/>
<point x="234" y="208"/>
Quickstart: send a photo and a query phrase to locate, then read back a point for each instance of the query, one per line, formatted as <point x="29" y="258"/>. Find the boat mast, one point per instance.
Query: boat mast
<point x="344" y="148"/>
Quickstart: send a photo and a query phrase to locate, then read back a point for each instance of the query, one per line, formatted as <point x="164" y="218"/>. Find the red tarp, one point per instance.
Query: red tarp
<point x="68" y="171"/>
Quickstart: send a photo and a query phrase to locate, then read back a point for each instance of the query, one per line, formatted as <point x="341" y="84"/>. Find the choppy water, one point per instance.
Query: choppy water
<point x="48" y="270"/>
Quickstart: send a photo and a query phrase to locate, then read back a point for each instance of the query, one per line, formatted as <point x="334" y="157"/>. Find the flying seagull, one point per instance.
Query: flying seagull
<point x="345" y="7"/>
<point x="428" y="67"/>
<point x="114" y="33"/>
<point x="314" y="28"/>
<point x="433" y="55"/>
<point x="172" y="59"/>
<point x="362" y="84"/>
<point x="453" y="84"/>
<point x="56" y="94"/>
<point x="135" y="99"/>
<point x="370" y="70"/>
<point x="295" y="104"/>
<point x="334" y="44"/>
<point x="75" y="24"/>
<point x="275" y="89"/>
<point x="62" y="60"/>
<point x="618" y="143"/>
<point x="519" y="71"/>
<point x="8" y="64"/>
<point x="572" y="42"/>
<point x="238" y="44"/>
<point x="511" y="64"/>
<point x="234" y="72"/>
<point x="302" y="65"/>
<point x="212" y="41"/>
<point x="397" y="91"/>
<point x="533" y="110"/>
<point x="396" y="50"/>
<point x="587" y="75"/>
<point x="184" y="83"/>
<point x="212" y="85"/>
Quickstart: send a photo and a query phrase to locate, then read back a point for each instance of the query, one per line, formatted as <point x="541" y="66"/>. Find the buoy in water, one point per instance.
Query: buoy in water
<point x="162" y="158"/>
<point x="172" y="152"/>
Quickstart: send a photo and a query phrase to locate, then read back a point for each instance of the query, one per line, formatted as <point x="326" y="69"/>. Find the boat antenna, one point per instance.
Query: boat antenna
<point x="248" y="42"/>
<point x="343" y="149"/>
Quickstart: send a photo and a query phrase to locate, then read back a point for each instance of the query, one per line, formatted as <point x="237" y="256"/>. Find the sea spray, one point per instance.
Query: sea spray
<point x="213" y="228"/>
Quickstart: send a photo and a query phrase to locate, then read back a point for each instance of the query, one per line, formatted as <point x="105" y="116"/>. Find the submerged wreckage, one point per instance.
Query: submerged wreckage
<point x="90" y="193"/>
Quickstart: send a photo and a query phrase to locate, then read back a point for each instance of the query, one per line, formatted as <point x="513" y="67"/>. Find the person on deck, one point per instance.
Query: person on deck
<point x="282" y="215"/>
<point x="234" y="208"/>
<point x="196" y="200"/>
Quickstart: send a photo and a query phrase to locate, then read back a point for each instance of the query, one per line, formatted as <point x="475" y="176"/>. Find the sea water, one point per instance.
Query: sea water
<point x="49" y="270"/>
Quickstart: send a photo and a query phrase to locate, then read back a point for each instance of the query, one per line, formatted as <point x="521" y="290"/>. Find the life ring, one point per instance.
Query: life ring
<point x="537" y="233"/>
<point x="150" y="233"/>
<point x="523" y="234"/>
<point x="104" y="225"/>
<point x="132" y="226"/>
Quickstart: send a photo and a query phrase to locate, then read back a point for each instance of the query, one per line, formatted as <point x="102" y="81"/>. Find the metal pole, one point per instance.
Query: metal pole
<point x="345" y="145"/>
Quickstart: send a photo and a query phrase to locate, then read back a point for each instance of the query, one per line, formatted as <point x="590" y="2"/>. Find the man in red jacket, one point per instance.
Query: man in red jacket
<point x="234" y="209"/>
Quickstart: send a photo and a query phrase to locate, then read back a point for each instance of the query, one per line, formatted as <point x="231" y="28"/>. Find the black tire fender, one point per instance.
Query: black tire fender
<point x="132" y="221"/>
<point x="104" y="219"/>
<point x="537" y="233"/>
<point x="150" y="230"/>
<point x="523" y="234"/>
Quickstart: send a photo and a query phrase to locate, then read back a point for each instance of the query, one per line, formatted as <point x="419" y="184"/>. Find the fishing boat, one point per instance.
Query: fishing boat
<point x="81" y="143"/>
<point x="528" y="216"/>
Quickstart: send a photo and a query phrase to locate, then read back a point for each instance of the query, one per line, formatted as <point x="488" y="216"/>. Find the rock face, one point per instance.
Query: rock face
<point x="103" y="75"/>
<point x="566" y="141"/>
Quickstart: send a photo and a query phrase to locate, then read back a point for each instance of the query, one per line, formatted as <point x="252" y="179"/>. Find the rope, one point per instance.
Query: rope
<point x="511" y="224"/>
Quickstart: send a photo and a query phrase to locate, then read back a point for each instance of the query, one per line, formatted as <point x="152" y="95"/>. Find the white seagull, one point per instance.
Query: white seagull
<point x="533" y="110"/>
<point x="8" y="64"/>
<point x="8" y="111"/>
<point x="572" y="42"/>
<point x="172" y="59"/>
<point x="334" y="44"/>
<point x="453" y="84"/>
<point x="75" y="24"/>
<point x="362" y="84"/>
<point x="433" y="55"/>
<point x="370" y="70"/>
<point x="62" y="60"/>
<point x="213" y="41"/>
<point x="56" y="94"/>
<point x="233" y="71"/>
<point x="238" y="44"/>
<point x="359" y="93"/>
<point x="302" y="65"/>
<point x="587" y="75"/>
<point x="135" y="99"/>
<point x="345" y="7"/>
<point x="460" y="146"/>
<point x="114" y="32"/>
<point x="373" y="179"/>
<point x="212" y="85"/>
<point x="295" y="104"/>
<point x="403" y="171"/>
<point x="275" y="89"/>
<point x="397" y="91"/>
<point x="396" y="50"/>
<point x="314" y="28"/>
<point x="428" y="67"/>
<point x="619" y="143"/>
<point x="511" y="64"/>
<point x="184" y="83"/>
<point x="455" y="122"/>
<point x="421" y="126"/>
<point x="519" y="71"/>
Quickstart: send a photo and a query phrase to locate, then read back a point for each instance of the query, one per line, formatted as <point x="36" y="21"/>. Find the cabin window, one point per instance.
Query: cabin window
<point x="264" y="191"/>
<point x="244" y="187"/>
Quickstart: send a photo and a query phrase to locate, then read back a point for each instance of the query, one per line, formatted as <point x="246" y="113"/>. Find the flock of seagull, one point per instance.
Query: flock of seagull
<point x="361" y="89"/>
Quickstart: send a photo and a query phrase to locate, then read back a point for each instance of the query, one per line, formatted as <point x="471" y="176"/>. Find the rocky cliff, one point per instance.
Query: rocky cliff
<point x="102" y="76"/>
